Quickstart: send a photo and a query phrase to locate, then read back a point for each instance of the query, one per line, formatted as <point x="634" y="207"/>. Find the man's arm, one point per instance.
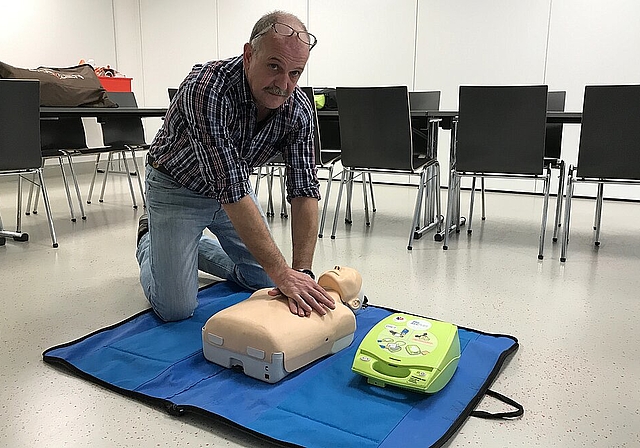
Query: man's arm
<point x="306" y="294"/>
<point x="304" y="231"/>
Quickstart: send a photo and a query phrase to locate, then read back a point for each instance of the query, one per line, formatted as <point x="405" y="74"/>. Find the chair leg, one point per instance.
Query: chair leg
<point x="559" y="197"/>
<point x="365" y="198"/>
<point x="47" y="207"/>
<point x="326" y="200"/>
<point x="415" y="224"/>
<point x="138" y="174"/>
<point x="471" y="203"/>
<point x="347" y="214"/>
<point x="76" y="186"/>
<point x="283" y="193"/>
<point x="545" y="213"/>
<point x="427" y="210"/>
<point x="484" y="215"/>
<point x="373" y="199"/>
<point x="432" y="197"/>
<point x="18" y="208"/>
<point x="123" y="155"/>
<point x="30" y="197"/>
<point x="3" y="233"/>
<point x="107" y="170"/>
<point x="270" y="208"/>
<point x="93" y="179"/>
<point x="345" y="177"/>
<point x="598" y="217"/>
<point x="66" y="189"/>
<point x="258" y="177"/>
<point x="436" y="186"/>
<point x="36" y="199"/>
<point x="451" y="206"/>
<point x="567" y="216"/>
<point x="18" y="235"/>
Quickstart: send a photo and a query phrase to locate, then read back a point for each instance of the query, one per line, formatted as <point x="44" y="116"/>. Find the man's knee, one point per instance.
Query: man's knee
<point x="175" y="311"/>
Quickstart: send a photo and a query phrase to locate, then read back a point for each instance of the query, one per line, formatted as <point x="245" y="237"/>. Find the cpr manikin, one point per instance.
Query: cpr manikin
<point x="261" y="335"/>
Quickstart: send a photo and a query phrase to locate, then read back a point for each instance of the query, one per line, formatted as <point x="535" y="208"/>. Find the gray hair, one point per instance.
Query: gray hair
<point x="267" y="21"/>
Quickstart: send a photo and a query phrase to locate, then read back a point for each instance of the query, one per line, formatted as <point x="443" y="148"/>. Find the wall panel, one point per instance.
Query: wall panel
<point x="362" y="42"/>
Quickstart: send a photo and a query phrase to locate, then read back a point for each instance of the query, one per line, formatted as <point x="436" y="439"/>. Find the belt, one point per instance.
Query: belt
<point x="152" y="161"/>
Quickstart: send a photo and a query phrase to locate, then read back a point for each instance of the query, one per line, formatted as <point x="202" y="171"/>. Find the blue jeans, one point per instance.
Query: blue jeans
<point x="173" y="250"/>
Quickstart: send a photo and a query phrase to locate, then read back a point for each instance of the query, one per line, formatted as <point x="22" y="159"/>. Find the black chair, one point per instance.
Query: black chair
<point x="609" y="149"/>
<point x="421" y="127"/>
<point x="326" y="159"/>
<point x="327" y="154"/>
<point x="172" y="92"/>
<point x="60" y="139"/>
<point x="552" y="152"/>
<point x="276" y="163"/>
<point x="552" y="149"/>
<point x="424" y="100"/>
<point x="377" y="137"/>
<point x="20" y="152"/>
<point x="122" y="135"/>
<point x="500" y="133"/>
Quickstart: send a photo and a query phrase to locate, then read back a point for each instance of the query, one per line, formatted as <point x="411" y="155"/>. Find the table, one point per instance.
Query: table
<point x="55" y="112"/>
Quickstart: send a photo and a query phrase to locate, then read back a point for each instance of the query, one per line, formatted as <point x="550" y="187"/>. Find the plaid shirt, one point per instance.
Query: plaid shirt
<point x="210" y="140"/>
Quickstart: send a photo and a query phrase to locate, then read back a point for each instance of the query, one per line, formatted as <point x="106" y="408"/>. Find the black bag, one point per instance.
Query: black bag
<point x="330" y="100"/>
<point x="70" y="86"/>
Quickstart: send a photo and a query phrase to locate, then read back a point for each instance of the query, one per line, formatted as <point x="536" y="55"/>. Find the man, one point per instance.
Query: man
<point x="228" y="117"/>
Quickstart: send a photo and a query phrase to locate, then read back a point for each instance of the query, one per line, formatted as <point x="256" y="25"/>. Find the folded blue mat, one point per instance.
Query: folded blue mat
<point x="321" y="404"/>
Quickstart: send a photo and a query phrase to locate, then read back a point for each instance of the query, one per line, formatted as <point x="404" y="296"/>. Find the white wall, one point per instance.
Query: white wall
<point x="424" y="44"/>
<point x="56" y="33"/>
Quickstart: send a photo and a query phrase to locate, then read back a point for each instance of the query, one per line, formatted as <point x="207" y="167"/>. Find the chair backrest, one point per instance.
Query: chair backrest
<point x="424" y="100"/>
<point x="122" y="130"/>
<point x="123" y="99"/>
<point x="553" y="140"/>
<point x="501" y="129"/>
<point x="19" y="124"/>
<point x="172" y="92"/>
<point x="610" y="133"/>
<point x="375" y="127"/>
<point x="317" y="145"/>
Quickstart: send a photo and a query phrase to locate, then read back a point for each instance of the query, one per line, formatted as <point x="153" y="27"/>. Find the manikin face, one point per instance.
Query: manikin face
<point x="273" y="68"/>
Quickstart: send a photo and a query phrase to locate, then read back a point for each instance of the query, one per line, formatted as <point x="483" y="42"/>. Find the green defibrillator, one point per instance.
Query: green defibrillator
<point x="410" y="352"/>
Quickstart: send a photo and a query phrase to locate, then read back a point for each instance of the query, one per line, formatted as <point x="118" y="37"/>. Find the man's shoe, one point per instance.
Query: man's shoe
<point x="143" y="227"/>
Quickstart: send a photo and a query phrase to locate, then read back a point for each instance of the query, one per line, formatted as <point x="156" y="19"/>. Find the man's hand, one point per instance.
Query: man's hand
<point x="303" y="293"/>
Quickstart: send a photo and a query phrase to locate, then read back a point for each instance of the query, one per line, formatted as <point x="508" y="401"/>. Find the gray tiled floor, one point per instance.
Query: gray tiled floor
<point x="575" y="372"/>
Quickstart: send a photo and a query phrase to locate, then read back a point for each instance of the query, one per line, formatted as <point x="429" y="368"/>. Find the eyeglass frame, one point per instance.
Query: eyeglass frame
<point x="293" y="31"/>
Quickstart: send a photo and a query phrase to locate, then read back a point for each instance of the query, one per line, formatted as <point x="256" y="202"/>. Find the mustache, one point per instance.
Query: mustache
<point x="276" y="91"/>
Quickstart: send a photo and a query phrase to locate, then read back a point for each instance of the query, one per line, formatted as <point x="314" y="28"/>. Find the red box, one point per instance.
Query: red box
<point x="113" y="84"/>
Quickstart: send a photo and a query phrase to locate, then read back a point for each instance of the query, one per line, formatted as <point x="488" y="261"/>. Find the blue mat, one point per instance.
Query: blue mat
<point x="324" y="403"/>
